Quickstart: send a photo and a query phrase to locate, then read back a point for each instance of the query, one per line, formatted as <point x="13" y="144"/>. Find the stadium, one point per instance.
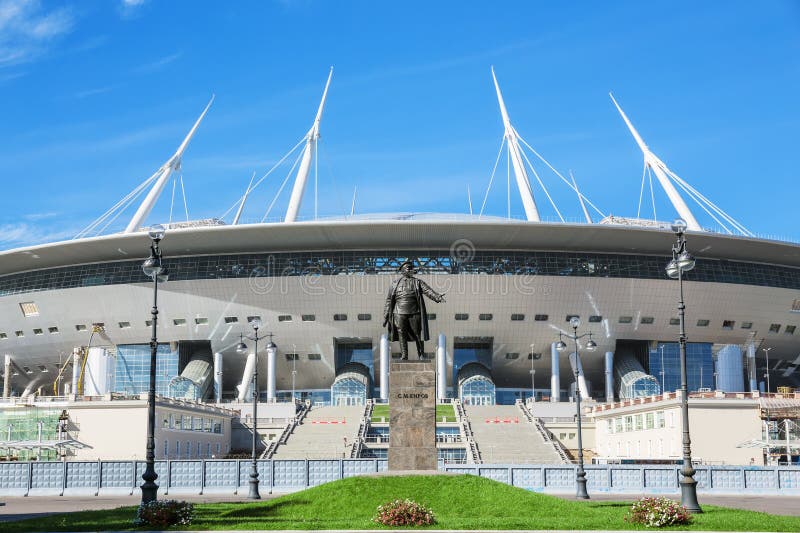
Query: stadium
<point x="76" y="314"/>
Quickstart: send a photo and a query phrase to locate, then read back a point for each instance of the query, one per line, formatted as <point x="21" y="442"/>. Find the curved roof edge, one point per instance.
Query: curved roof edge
<point x="394" y="234"/>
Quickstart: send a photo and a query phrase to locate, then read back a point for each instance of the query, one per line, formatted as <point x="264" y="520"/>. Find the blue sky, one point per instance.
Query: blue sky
<point x="96" y="95"/>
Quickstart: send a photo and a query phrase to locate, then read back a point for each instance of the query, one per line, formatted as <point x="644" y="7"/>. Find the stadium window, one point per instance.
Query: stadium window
<point x="19" y="333"/>
<point x="534" y="356"/>
<point x="43" y="368"/>
<point x="702" y="323"/>
<point x="595" y="318"/>
<point x="201" y="321"/>
<point x="517" y="317"/>
<point x="3" y="336"/>
<point x="796" y="306"/>
<point x="674" y="321"/>
<point x="462" y="316"/>
<point x="38" y="331"/>
<point x="80" y="327"/>
<point x="254" y="317"/>
<point x="789" y="330"/>
<point x="431" y="316"/>
<point x="728" y="324"/>
<point x="53" y="330"/>
<point x="746" y="325"/>
<point x="541" y="318"/>
<point x="124" y="325"/>
<point x="314" y="356"/>
<point x="308" y="318"/>
<point x="774" y="328"/>
<point x="292" y="357"/>
<point x="570" y="317"/>
<point x="512" y="355"/>
<point x="231" y="319"/>
<point x="179" y="321"/>
<point x="340" y="317"/>
<point x="27" y="370"/>
<point x="364" y="316"/>
<point x="284" y="318"/>
<point x="625" y="319"/>
<point x="485" y="316"/>
<point x="647" y="320"/>
<point x="148" y="323"/>
<point x="29" y="309"/>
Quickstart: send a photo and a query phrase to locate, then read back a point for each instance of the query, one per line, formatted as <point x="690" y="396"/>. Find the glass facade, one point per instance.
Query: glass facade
<point x="699" y="365"/>
<point x="468" y="350"/>
<point x="477" y="390"/>
<point x="387" y="262"/>
<point x="632" y="380"/>
<point x="348" y="391"/>
<point x="23" y="424"/>
<point x="132" y="371"/>
<point x="355" y="351"/>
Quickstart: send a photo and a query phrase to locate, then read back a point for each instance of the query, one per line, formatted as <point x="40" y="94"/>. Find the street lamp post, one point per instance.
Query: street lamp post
<point x="683" y="261"/>
<point x="154" y="269"/>
<point x="766" y="358"/>
<point x="663" y="385"/>
<point x="241" y="348"/>
<point x="580" y="478"/>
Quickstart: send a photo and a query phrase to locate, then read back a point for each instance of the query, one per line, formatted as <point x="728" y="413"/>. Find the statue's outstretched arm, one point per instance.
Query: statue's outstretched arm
<point x="430" y="293"/>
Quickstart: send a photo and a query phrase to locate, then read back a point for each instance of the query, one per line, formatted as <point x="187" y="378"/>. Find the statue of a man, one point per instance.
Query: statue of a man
<point x="404" y="313"/>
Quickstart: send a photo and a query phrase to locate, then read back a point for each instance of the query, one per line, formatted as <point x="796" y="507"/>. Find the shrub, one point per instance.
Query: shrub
<point x="404" y="513"/>
<point x="164" y="513"/>
<point x="658" y="512"/>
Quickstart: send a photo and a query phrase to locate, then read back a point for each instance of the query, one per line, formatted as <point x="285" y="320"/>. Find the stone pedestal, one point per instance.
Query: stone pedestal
<point x="412" y="416"/>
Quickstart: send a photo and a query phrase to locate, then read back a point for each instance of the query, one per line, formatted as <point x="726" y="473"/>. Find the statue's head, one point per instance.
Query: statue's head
<point x="407" y="269"/>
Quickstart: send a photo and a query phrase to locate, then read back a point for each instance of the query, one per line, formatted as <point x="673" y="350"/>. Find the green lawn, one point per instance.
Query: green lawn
<point x="381" y="411"/>
<point x="459" y="502"/>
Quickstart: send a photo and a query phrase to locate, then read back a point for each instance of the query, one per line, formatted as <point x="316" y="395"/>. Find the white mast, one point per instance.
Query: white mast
<point x="244" y="199"/>
<point x="516" y="160"/>
<point x="305" y="164"/>
<point x="174" y="163"/>
<point x="586" y="214"/>
<point x="658" y="167"/>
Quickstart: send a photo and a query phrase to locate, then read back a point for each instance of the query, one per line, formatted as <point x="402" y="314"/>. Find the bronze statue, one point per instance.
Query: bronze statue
<point x="404" y="313"/>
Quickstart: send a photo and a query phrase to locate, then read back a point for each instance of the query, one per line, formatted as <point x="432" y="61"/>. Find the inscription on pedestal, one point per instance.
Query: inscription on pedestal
<point x="412" y="416"/>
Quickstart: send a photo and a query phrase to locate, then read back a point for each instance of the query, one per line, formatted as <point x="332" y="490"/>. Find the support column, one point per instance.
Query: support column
<point x="384" y="367"/>
<point x="575" y="362"/>
<point x="218" y="377"/>
<point x="751" y="366"/>
<point x="555" y="376"/>
<point x="247" y="376"/>
<point x="609" y="377"/>
<point x="272" y="353"/>
<point x="7" y="376"/>
<point x="441" y="367"/>
<point x="76" y="370"/>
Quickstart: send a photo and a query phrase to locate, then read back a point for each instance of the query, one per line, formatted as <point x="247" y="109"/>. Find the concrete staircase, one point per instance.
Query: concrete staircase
<point x="504" y="435"/>
<point x="321" y="434"/>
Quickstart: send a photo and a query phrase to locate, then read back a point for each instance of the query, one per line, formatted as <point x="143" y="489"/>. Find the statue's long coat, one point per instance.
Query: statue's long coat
<point x="388" y="310"/>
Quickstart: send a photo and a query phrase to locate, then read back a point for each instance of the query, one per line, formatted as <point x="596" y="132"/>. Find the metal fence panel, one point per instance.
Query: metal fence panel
<point x="39" y="478"/>
<point x="47" y="475"/>
<point x="117" y="474"/>
<point x="221" y="474"/>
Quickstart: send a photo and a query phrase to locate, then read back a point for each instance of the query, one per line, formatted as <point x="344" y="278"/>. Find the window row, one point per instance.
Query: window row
<point x="622" y="424"/>
<point x="188" y="450"/>
<point x="192" y="423"/>
<point x="334" y="263"/>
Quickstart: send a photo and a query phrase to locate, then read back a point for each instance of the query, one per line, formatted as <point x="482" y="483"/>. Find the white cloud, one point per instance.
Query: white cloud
<point x="27" y="29"/>
<point x="131" y="8"/>
<point x="158" y="64"/>
<point x="23" y="234"/>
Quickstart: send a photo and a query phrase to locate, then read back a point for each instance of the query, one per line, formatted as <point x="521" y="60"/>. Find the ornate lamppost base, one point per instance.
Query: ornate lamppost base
<point x="581" y="492"/>
<point x="689" y="495"/>
<point x="253" y="492"/>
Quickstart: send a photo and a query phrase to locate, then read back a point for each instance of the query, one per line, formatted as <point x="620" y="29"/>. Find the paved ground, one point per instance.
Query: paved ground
<point x="16" y="508"/>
